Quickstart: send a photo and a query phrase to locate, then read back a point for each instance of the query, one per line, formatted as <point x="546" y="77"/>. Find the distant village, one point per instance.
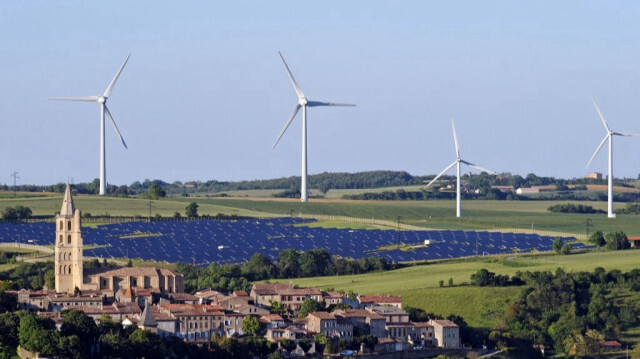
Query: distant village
<point x="153" y="299"/>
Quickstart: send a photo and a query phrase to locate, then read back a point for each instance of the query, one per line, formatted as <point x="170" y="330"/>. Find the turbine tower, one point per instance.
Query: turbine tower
<point x="608" y="136"/>
<point x="302" y="102"/>
<point x="102" y="100"/>
<point x="457" y="163"/>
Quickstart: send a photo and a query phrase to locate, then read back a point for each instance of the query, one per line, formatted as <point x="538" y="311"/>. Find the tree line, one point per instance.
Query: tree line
<point x="290" y="263"/>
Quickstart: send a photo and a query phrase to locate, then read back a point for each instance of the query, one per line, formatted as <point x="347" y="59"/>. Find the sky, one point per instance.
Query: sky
<point x="205" y="95"/>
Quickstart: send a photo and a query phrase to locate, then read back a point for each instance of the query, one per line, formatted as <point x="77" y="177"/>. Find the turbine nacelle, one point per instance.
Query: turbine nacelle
<point x="102" y="99"/>
<point x="302" y="101"/>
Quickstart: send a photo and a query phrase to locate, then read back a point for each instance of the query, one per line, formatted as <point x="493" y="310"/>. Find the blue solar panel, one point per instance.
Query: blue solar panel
<point x="206" y="241"/>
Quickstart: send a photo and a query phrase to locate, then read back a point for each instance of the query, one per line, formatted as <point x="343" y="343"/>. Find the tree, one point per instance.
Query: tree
<point x="191" y="210"/>
<point x="9" y="323"/>
<point x="450" y="281"/>
<point x="557" y="244"/>
<point x="277" y="308"/>
<point x="251" y="325"/>
<point x="288" y="264"/>
<point x="635" y="353"/>
<point x="309" y="306"/>
<point x="156" y="192"/>
<point x="76" y="323"/>
<point x="305" y="345"/>
<point x="597" y="238"/>
<point x="314" y="262"/>
<point x="369" y="341"/>
<point x="288" y="345"/>
<point x="147" y="344"/>
<point x="617" y="240"/>
<point x="16" y="213"/>
<point x="177" y="215"/>
<point x="321" y="341"/>
<point x="38" y="335"/>
<point x="258" y="267"/>
<point x="482" y="277"/>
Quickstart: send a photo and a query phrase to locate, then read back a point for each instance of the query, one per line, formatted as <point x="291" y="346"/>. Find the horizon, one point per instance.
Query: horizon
<point x="205" y="94"/>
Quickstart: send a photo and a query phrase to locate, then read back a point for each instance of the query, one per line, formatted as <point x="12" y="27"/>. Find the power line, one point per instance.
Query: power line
<point x="15" y="177"/>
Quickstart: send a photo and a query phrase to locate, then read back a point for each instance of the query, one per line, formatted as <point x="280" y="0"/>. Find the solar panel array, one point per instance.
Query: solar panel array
<point x="206" y="241"/>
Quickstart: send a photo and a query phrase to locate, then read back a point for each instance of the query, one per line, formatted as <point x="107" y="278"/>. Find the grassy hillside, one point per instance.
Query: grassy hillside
<point x="480" y="306"/>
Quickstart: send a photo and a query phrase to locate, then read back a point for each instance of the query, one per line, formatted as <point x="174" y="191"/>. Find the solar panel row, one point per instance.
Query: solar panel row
<point x="206" y="241"/>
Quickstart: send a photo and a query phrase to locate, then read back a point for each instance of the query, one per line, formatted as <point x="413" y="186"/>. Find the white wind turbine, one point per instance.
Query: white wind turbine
<point x="457" y="163"/>
<point x="102" y="100"/>
<point x="608" y="136"/>
<point x="302" y="102"/>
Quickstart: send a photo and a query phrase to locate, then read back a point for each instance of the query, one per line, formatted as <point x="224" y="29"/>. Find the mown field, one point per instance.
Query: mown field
<point x="480" y="306"/>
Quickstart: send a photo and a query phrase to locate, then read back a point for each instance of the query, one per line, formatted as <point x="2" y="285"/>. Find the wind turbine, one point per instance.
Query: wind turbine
<point x="608" y="136"/>
<point x="457" y="163"/>
<point x="102" y="100"/>
<point x="302" y="102"/>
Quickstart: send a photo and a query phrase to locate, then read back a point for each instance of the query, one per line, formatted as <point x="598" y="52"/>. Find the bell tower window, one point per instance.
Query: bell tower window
<point x="68" y="225"/>
<point x="61" y="225"/>
<point x="69" y="239"/>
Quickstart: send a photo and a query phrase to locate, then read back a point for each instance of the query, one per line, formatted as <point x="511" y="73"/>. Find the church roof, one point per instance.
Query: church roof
<point x="146" y="318"/>
<point x="67" y="203"/>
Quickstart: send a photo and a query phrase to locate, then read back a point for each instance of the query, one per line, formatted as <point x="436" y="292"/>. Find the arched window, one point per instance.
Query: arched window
<point x="69" y="269"/>
<point x="60" y="270"/>
<point x="61" y="225"/>
<point x="60" y="237"/>
<point x="69" y="239"/>
<point x="68" y="225"/>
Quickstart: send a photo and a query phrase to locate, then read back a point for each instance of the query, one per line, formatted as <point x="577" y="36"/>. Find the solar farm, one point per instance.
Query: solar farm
<point x="206" y="241"/>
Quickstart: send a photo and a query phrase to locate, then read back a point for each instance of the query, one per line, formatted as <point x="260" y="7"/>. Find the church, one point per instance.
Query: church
<point x="69" y="272"/>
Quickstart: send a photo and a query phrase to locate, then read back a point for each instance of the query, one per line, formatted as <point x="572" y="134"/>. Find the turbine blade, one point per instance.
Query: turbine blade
<point x="455" y="139"/>
<point x="85" y="98"/>
<point x="478" y="167"/>
<point x="107" y="92"/>
<point x="319" y="103"/>
<point x="626" y="134"/>
<point x="443" y="172"/>
<point x="115" y="127"/>
<point x="293" y="114"/>
<point x="597" y="150"/>
<point x="293" y="81"/>
<point x="600" y="114"/>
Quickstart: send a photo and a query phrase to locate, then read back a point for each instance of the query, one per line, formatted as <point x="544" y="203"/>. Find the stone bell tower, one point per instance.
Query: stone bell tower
<point x="68" y="247"/>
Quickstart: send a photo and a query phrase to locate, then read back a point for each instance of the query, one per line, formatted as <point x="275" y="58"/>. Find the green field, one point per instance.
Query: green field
<point x="480" y="306"/>
<point x="440" y="214"/>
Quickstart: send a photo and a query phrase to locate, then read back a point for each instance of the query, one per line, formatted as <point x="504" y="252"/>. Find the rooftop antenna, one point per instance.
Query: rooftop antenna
<point x="15" y="177"/>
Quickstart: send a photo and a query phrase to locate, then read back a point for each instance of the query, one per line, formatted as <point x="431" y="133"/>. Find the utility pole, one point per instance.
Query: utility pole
<point x="150" y="207"/>
<point x="398" y="230"/>
<point x="15" y="177"/>
<point x="588" y="223"/>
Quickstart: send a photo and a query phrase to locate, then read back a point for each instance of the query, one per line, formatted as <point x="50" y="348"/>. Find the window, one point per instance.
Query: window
<point x="60" y="236"/>
<point x="69" y="239"/>
<point x="61" y="225"/>
<point x="68" y="225"/>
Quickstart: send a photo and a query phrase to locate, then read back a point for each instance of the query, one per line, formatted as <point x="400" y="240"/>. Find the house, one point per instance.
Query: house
<point x="392" y="345"/>
<point x="634" y="241"/>
<point x="368" y="322"/>
<point x="329" y="325"/>
<point x="289" y="296"/>
<point x="366" y="301"/>
<point x="332" y="298"/>
<point x="594" y="175"/>
<point x="392" y="315"/>
<point x="446" y="333"/>
<point x="272" y="321"/>
<point x="196" y="323"/>
<point x="135" y="295"/>
<point x="423" y="334"/>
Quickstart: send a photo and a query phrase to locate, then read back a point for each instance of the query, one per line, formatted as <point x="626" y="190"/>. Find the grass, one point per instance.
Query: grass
<point x="480" y="306"/>
<point x="438" y="214"/>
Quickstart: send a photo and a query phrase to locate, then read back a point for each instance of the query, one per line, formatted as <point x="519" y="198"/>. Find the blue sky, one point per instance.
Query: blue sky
<point x="204" y="95"/>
